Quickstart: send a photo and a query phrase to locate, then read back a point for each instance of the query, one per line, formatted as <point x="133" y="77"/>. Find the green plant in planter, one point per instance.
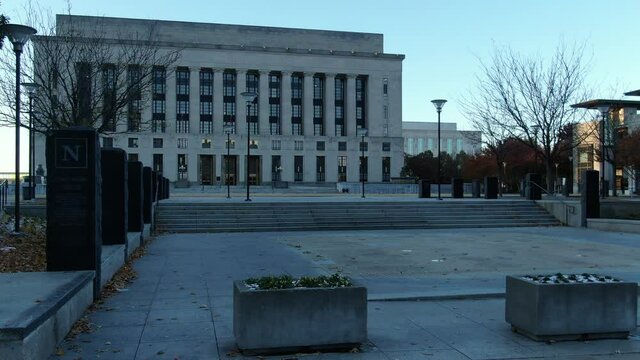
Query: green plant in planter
<point x="288" y="282"/>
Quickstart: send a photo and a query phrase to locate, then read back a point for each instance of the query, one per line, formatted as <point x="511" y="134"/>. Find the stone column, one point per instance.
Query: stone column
<point x="330" y="107"/>
<point x="307" y="105"/>
<point x="218" y="113"/>
<point x="285" y="110"/>
<point x="147" y="197"/>
<point x="263" y="104"/>
<point x="350" y="105"/>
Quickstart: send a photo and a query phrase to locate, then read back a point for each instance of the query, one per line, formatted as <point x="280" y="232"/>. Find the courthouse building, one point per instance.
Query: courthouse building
<point x="423" y="136"/>
<point x="315" y="88"/>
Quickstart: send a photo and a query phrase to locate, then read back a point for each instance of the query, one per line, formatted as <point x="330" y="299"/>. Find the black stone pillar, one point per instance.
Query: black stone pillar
<point x="154" y="186"/>
<point x="589" y="199"/>
<point x="533" y="182"/>
<point x="147" y="197"/>
<point x="74" y="207"/>
<point x="168" y="188"/>
<point x="476" y="188"/>
<point x="114" y="205"/>
<point x="135" y="196"/>
<point x="160" y="181"/>
<point x="490" y="187"/>
<point x="424" y="189"/>
<point x="457" y="188"/>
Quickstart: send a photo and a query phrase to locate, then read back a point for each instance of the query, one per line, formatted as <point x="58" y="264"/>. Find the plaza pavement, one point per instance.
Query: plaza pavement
<point x="446" y="287"/>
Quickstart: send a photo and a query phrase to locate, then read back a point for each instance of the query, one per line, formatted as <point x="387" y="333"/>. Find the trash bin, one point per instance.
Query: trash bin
<point x="424" y="189"/>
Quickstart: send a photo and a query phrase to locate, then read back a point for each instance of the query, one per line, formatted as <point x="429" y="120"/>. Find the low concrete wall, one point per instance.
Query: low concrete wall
<point x="620" y="209"/>
<point x="568" y="213"/>
<point x="134" y="240"/>
<point x="617" y="225"/>
<point x="26" y="209"/>
<point x="112" y="260"/>
<point x="36" y="330"/>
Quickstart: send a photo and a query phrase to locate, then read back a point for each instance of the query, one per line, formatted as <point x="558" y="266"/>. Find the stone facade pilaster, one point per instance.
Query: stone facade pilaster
<point x="330" y="106"/>
<point x="307" y="105"/>
<point x="218" y="111"/>
<point x="285" y="110"/>
<point x="263" y="105"/>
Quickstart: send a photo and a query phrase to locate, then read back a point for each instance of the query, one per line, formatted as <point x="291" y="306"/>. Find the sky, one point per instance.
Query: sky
<point x="443" y="41"/>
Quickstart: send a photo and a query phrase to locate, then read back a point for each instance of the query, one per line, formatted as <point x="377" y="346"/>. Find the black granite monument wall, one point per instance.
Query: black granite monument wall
<point x="424" y="189"/>
<point x="114" y="205"/>
<point x="154" y="186"/>
<point x="147" y="196"/>
<point x="74" y="207"/>
<point x="135" y="196"/>
<point x="490" y="187"/>
<point x="457" y="188"/>
<point x="589" y="198"/>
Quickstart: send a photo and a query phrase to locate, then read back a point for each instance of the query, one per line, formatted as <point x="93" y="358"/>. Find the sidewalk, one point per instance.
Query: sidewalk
<point x="180" y="307"/>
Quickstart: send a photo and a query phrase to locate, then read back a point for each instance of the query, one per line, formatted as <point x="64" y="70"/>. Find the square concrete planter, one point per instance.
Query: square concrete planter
<point x="571" y="311"/>
<point x="288" y="320"/>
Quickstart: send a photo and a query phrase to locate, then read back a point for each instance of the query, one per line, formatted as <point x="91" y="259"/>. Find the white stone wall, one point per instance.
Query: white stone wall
<point x="201" y="53"/>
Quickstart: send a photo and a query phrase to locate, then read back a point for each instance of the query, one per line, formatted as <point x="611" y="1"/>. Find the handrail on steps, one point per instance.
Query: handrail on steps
<point x="567" y="206"/>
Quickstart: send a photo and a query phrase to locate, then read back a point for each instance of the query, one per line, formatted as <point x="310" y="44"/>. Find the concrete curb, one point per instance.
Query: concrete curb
<point x="495" y="294"/>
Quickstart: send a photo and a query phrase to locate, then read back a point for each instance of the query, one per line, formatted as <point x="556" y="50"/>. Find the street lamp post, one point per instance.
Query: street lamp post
<point x="439" y="103"/>
<point x="31" y="89"/>
<point x="18" y="35"/>
<point x="362" y="132"/>
<point x="504" y="171"/>
<point x="249" y="98"/>
<point x="556" y="182"/>
<point x="228" y="129"/>
<point x="604" y="110"/>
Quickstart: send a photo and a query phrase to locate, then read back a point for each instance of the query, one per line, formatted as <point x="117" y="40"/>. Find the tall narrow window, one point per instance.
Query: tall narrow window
<point x="253" y="79"/>
<point x="298" y="168"/>
<point x="320" y="169"/>
<point x="206" y="101"/>
<point x="158" y="163"/>
<point x="229" y="99"/>
<point x="339" y="106"/>
<point x="109" y="94"/>
<point x="361" y="98"/>
<point x="134" y="118"/>
<point x="386" y="169"/>
<point x="274" y="104"/>
<point x="276" y="168"/>
<point x="318" y="105"/>
<point x="158" y="101"/>
<point x="296" y="104"/>
<point x="182" y="100"/>
<point x="182" y="167"/>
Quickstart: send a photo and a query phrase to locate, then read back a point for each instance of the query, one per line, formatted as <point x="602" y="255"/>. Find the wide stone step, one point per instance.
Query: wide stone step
<point x="228" y="217"/>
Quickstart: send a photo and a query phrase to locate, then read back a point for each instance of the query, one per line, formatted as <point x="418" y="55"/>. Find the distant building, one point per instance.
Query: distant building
<point x="422" y="136"/>
<point x="315" y="88"/>
<point x="586" y="156"/>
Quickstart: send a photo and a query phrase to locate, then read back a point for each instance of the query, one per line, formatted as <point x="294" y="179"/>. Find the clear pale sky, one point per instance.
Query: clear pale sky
<point x="442" y="40"/>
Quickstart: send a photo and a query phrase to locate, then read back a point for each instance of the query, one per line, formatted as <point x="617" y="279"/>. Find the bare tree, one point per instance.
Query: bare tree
<point x="529" y="98"/>
<point x="87" y="76"/>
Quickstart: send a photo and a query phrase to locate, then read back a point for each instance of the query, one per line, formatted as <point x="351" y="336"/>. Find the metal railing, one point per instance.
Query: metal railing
<point x="568" y="208"/>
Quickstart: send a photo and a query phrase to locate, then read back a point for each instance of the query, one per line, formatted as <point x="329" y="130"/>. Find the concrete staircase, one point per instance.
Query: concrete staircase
<point x="348" y="215"/>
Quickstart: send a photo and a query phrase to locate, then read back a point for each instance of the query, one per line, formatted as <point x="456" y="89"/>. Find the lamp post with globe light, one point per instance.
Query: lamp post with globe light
<point x="439" y="103"/>
<point x="604" y="111"/>
<point x="18" y="35"/>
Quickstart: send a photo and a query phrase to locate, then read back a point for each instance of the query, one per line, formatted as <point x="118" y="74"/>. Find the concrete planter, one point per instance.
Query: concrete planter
<point x="272" y="321"/>
<point x="571" y="311"/>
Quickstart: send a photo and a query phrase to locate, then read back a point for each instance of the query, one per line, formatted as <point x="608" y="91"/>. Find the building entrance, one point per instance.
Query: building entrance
<point x="207" y="169"/>
<point x="254" y="170"/>
<point x="230" y="169"/>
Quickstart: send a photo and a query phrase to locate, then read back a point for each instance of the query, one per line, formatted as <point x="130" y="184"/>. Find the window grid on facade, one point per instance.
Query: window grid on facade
<point x="182" y="126"/>
<point x="206" y="126"/>
<point x="342" y="146"/>
<point x="298" y="145"/>
<point x="339" y="106"/>
<point x="182" y="81"/>
<point x="206" y="143"/>
<point x="276" y="144"/>
<point x="134" y="120"/>
<point x="252" y="85"/>
<point x="159" y="80"/>
<point x="296" y="104"/>
<point x="320" y="145"/>
<point x="361" y="84"/>
<point x="206" y="82"/>
<point x="133" y="142"/>
<point x="274" y="104"/>
<point x="157" y="143"/>
<point x="182" y="143"/>
<point x="229" y="99"/>
<point x="109" y="97"/>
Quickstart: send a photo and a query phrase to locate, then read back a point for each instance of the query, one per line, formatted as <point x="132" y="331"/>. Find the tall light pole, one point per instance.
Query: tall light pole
<point x="249" y="97"/>
<point x="504" y="180"/>
<point x="604" y="111"/>
<point x="228" y="129"/>
<point x="362" y="132"/>
<point x="556" y="182"/>
<point x="18" y="35"/>
<point x="439" y="103"/>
